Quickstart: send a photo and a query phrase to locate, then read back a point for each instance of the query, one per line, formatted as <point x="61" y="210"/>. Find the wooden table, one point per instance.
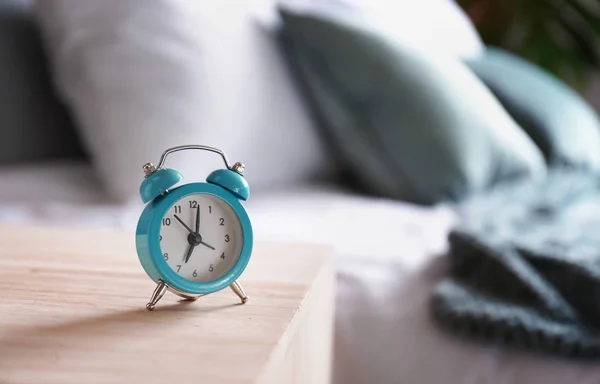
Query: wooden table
<point x="72" y="310"/>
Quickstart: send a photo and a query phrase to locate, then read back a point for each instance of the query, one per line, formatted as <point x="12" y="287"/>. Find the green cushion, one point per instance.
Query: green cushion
<point x="409" y="125"/>
<point x="34" y="123"/>
<point x="563" y="125"/>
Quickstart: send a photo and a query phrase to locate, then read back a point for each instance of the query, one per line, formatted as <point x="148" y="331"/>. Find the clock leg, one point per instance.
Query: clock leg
<point x="238" y="290"/>
<point x="157" y="295"/>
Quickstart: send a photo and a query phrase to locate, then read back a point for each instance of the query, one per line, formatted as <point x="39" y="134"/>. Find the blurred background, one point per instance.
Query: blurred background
<point x="559" y="36"/>
<point x="364" y="125"/>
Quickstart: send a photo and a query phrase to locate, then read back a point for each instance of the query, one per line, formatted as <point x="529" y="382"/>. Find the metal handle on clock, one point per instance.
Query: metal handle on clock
<point x="166" y="153"/>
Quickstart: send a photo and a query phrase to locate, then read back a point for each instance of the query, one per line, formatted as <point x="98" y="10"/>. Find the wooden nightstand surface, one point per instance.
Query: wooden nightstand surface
<point x="72" y="310"/>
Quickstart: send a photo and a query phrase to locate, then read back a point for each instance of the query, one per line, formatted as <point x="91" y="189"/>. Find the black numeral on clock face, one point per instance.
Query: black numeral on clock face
<point x="177" y="208"/>
<point x="227" y="238"/>
<point x="195" y="274"/>
<point x="166" y="221"/>
<point x="193" y="204"/>
<point x="221" y="221"/>
<point x="178" y="268"/>
<point x="166" y="256"/>
<point x="222" y="256"/>
<point x="211" y="268"/>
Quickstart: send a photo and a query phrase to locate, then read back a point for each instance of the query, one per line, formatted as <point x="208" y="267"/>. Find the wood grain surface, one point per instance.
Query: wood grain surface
<point x="72" y="310"/>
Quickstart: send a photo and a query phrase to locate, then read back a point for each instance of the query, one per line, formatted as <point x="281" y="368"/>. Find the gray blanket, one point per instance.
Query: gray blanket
<point x="525" y="268"/>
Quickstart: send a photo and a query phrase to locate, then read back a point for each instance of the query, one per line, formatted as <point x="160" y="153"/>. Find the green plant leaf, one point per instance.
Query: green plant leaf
<point x="588" y="15"/>
<point x="561" y="36"/>
<point x="584" y="43"/>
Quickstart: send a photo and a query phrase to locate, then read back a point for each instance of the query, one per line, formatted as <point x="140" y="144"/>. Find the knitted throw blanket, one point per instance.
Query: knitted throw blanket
<point x="525" y="268"/>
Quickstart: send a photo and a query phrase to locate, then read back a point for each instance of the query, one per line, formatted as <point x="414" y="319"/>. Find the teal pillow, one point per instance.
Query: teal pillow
<point x="34" y="123"/>
<point x="563" y="125"/>
<point x="408" y="124"/>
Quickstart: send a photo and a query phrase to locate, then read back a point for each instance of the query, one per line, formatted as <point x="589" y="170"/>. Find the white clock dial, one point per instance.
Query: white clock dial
<point x="205" y="254"/>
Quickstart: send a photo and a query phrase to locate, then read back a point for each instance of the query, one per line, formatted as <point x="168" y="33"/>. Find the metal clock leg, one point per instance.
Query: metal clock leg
<point x="238" y="290"/>
<point x="160" y="290"/>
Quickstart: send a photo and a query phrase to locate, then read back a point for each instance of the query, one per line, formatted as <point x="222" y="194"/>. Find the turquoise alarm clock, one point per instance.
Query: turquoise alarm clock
<point x="196" y="238"/>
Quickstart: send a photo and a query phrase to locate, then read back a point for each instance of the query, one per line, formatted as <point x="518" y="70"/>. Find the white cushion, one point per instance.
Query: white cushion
<point x="436" y="25"/>
<point x="142" y="76"/>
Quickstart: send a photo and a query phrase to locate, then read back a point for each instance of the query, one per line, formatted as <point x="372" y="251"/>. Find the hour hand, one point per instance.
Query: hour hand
<point x="184" y="224"/>
<point x="189" y="252"/>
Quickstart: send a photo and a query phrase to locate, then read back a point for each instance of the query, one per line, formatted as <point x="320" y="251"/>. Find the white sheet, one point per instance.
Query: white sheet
<point x="387" y="259"/>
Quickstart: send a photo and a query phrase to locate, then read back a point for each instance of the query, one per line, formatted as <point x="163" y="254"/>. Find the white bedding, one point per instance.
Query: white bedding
<point x="387" y="258"/>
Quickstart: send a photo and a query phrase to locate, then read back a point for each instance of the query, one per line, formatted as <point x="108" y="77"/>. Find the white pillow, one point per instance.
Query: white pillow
<point x="141" y="76"/>
<point x="436" y="25"/>
<point x="440" y="26"/>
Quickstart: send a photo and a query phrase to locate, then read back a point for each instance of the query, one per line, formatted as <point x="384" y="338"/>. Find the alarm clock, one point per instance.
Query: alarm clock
<point x="194" y="239"/>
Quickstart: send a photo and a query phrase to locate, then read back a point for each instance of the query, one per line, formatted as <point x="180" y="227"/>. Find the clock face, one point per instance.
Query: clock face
<point x="201" y="238"/>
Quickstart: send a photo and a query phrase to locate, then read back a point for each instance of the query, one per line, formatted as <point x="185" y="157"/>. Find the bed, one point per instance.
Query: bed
<point x="389" y="255"/>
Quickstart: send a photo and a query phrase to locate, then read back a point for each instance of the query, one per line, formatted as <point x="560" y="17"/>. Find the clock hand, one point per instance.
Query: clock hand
<point x="189" y="253"/>
<point x="184" y="224"/>
<point x="198" y="228"/>
<point x="209" y="246"/>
